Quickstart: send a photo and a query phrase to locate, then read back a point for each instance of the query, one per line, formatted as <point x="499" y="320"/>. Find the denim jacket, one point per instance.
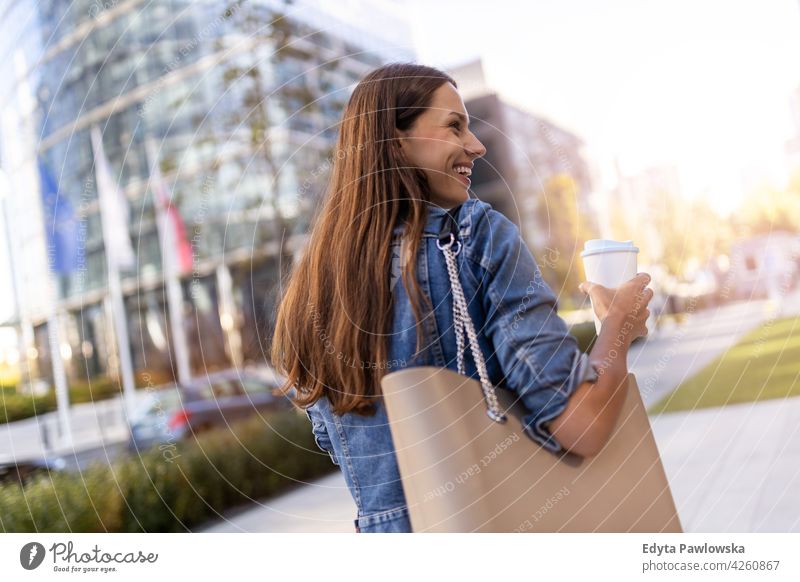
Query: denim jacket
<point x="527" y="349"/>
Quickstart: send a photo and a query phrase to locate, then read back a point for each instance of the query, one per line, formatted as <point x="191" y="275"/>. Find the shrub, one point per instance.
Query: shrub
<point x="15" y="406"/>
<point x="18" y="406"/>
<point x="160" y="492"/>
<point x="585" y="334"/>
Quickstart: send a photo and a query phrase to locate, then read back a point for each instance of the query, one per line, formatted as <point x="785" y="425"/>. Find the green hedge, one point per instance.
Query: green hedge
<point x="18" y="406"/>
<point x="15" y="406"/>
<point x="220" y="470"/>
<point x="585" y="334"/>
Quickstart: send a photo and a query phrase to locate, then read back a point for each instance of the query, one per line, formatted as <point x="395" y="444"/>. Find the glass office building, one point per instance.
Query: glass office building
<point x="242" y="100"/>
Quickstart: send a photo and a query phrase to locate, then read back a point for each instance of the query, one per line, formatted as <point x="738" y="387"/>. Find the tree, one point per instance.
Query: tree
<point x="675" y="232"/>
<point x="567" y="230"/>
<point x="265" y="84"/>
<point x="769" y="209"/>
<point x="691" y="231"/>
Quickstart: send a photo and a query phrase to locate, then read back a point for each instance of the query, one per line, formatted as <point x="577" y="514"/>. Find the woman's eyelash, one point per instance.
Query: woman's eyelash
<point x="456" y="124"/>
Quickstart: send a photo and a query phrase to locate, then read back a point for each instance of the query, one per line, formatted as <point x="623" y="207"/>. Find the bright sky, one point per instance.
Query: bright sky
<point x="703" y="85"/>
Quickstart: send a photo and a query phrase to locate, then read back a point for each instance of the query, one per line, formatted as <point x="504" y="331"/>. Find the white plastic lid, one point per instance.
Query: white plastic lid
<point x="600" y="245"/>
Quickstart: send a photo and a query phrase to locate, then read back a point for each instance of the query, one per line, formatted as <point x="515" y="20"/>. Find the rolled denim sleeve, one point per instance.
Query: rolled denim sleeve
<point x="320" y="431"/>
<point x="540" y="359"/>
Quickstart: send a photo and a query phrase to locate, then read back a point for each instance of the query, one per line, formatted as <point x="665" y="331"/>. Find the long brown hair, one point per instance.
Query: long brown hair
<point x="333" y="322"/>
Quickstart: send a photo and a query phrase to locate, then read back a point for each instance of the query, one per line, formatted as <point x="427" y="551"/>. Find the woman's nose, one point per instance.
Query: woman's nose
<point x="476" y="148"/>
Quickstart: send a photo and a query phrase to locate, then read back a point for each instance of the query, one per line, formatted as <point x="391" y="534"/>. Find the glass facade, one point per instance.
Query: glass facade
<point x="242" y="100"/>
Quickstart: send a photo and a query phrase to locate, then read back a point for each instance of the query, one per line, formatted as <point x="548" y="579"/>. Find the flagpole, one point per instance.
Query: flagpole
<point x="117" y="250"/>
<point x="21" y="321"/>
<point x="123" y="341"/>
<point x="59" y="374"/>
<point x="172" y="283"/>
<point x="53" y="331"/>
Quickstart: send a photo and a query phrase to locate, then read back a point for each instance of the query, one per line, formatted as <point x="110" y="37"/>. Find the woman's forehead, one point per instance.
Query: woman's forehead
<point x="447" y="99"/>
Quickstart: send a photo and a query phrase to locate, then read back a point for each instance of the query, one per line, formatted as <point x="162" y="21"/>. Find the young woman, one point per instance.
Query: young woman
<point x="371" y="295"/>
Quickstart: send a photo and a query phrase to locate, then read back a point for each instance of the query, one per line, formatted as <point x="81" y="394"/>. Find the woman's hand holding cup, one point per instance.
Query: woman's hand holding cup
<point x="625" y="306"/>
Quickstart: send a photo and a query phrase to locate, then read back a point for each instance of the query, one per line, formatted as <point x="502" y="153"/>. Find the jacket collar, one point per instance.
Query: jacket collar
<point x="436" y="215"/>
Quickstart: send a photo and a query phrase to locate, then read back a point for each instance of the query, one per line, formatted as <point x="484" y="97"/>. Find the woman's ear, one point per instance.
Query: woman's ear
<point x="400" y="136"/>
<point x="401" y="144"/>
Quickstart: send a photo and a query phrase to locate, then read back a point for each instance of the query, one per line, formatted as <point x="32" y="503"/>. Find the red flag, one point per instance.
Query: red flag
<point x="173" y="222"/>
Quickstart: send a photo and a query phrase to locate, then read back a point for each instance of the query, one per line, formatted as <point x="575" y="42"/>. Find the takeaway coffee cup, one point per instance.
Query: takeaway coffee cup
<point x="609" y="263"/>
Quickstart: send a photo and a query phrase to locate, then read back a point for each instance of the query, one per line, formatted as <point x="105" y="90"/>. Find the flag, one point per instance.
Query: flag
<point x="64" y="251"/>
<point x="176" y="257"/>
<point x="114" y="211"/>
<point x="174" y="234"/>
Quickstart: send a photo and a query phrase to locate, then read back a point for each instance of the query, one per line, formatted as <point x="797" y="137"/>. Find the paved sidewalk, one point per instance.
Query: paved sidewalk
<point x="736" y="468"/>
<point x="94" y="426"/>
<point x="323" y="506"/>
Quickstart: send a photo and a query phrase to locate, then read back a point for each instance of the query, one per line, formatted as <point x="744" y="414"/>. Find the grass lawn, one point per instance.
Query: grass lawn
<point x="765" y="364"/>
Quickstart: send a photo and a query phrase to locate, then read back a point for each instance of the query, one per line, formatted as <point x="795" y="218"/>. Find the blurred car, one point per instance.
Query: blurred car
<point x="176" y="412"/>
<point x="20" y="470"/>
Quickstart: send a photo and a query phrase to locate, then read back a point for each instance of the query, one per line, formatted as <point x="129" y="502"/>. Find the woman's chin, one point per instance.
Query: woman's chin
<point x="453" y="198"/>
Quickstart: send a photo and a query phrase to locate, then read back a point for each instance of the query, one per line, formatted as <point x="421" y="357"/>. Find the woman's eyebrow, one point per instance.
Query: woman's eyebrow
<point x="461" y="116"/>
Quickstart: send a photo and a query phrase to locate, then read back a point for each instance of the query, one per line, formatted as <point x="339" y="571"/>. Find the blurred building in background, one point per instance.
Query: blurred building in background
<point x="242" y="100"/>
<point x="524" y="153"/>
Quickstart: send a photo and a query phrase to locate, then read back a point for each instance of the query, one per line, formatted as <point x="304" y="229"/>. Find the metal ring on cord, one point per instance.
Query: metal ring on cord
<point x="448" y="245"/>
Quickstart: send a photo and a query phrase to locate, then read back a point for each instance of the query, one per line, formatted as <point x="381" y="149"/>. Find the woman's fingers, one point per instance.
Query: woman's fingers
<point x="645" y="296"/>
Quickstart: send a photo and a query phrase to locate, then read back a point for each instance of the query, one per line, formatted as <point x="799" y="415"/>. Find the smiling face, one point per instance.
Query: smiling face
<point x="441" y="144"/>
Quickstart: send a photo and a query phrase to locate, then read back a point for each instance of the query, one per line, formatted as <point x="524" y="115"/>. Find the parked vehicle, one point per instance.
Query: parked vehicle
<point x="176" y="412"/>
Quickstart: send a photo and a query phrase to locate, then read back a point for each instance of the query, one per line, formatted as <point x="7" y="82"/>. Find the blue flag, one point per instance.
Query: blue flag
<point x="64" y="251"/>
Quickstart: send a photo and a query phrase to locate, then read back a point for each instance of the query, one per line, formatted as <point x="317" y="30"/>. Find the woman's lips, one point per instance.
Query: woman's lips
<point x="464" y="179"/>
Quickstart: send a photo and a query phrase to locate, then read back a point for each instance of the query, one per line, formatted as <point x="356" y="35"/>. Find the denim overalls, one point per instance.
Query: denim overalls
<point x="527" y="348"/>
